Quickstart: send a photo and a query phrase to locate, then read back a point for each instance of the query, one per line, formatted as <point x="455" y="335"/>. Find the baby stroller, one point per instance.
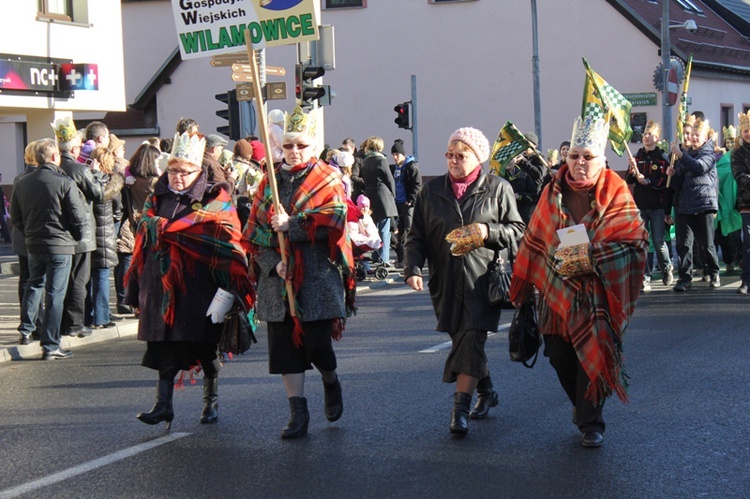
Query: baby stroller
<point x="364" y="254"/>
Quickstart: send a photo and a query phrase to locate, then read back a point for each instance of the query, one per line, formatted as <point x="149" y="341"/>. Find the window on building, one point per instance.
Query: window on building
<point x="344" y="4"/>
<point x="449" y="1"/>
<point x="689" y="6"/>
<point x="63" y="10"/>
<point x="727" y="117"/>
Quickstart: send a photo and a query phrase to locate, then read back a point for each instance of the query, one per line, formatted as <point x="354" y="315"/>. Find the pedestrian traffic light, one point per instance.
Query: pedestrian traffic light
<point x="305" y="90"/>
<point x="402" y="115"/>
<point x="231" y="113"/>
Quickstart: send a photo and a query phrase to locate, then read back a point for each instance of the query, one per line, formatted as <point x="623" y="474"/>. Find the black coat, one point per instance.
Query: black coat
<point x="458" y="285"/>
<point x="379" y="186"/>
<point x="91" y="186"/>
<point x="105" y="254"/>
<point x="741" y="173"/>
<point x="190" y="321"/>
<point x="47" y="209"/>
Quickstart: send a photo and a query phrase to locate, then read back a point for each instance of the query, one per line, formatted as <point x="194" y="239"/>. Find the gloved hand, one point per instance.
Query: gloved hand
<point x="465" y="239"/>
<point x="573" y="261"/>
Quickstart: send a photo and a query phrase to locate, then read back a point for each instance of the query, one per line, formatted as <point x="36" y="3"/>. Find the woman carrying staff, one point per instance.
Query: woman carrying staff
<point x="587" y="291"/>
<point x="468" y="201"/>
<point x="318" y="270"/>
<point x="187" y="247"/>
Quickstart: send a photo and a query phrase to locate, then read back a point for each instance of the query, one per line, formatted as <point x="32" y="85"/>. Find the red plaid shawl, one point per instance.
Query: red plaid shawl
<point x="593" y="310"/>
<point x="209" y="235"/>
<point x="321" y="202"/>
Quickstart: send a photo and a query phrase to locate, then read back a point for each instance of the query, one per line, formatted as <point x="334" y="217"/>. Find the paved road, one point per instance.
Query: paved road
<point x="68" y="429"/>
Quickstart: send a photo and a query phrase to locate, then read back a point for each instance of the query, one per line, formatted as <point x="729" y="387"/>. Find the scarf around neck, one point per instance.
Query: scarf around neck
<point x="592" y="311"/>
<point x="460" y="185"/>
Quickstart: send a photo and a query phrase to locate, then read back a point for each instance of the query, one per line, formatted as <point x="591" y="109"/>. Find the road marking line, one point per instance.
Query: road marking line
<point x="448" y="344"/>
<point x="86" y="467"/>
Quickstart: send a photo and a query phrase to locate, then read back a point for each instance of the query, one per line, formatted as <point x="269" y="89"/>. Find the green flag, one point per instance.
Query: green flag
<point x="510" y="143"/>
<point x="601" y="100"/>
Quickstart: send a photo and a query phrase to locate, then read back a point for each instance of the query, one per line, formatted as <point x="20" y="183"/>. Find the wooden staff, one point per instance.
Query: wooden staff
<point x="270" y="171"/>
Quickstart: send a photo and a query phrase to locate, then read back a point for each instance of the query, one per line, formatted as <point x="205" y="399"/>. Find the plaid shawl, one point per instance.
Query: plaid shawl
<point x="592" y="310"/>
<point x="209" y="235"/>
<point x="320" y="202"/>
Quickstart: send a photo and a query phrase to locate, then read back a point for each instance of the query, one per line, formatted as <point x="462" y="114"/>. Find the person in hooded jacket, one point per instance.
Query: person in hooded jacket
<point x="104" y="257"/>
<point x="408" y="182"/>
<point x="695" y="172"/>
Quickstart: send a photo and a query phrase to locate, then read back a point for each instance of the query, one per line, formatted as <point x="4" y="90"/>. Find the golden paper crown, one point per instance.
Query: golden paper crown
<point x="745" y="120"/>
<point x="65" y="129"/>
<point x="299" y="122"/>
<point x="701" y="126"/>
<point x="729" y="132"/>
<point x="689" y="120"/>
<point x="591" y="133"/>
<point x="188" y="148"/>
<point x="653" y="128"/>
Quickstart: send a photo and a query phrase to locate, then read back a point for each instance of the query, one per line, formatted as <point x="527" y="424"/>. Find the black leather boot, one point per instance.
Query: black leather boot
<point x="298" y="418"/>
<point x="334" y="403"/>
<point x="210" y="413"/>
<point x="162" y="410"/>
<point x="460" y="414"/>
<point x="486" y="397"/>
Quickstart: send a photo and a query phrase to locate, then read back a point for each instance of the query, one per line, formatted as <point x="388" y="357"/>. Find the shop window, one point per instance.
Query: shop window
<point x="344" y="4"/>
<point x="75" y="11"/>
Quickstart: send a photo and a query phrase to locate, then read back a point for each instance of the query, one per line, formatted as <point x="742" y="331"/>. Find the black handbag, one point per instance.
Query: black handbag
<point x="237" y="335"/>
<point x="498" y="285"/>
<point x="524" y="338"/>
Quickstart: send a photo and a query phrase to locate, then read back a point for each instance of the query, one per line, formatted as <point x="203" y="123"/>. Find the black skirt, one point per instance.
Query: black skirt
<point x="466" y="356"/>
<point x="181" y="356"/>
<point x="317" y="347"/>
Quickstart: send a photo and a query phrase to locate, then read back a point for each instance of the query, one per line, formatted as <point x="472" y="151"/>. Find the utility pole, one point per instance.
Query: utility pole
<point x="535" y="72"/>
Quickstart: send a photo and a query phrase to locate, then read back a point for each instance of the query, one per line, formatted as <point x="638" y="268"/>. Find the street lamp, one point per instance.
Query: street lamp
<point x="666" y="51"/>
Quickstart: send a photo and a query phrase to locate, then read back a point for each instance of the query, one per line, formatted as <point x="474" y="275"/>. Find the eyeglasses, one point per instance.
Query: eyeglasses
<point x="575" y="156"/>
<point x="180" y="173"/>
<point x="458" y="156"/>
<point x="289" y="147"/>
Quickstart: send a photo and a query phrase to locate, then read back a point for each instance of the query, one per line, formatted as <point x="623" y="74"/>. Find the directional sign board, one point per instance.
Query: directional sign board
<point x="215" y="27"/>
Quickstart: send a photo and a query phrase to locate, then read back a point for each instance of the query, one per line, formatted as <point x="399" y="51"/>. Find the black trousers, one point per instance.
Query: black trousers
<point x="75" y="298"/>
<point x="574" y="381"/>
<point x="405" y="216"/>
<point x="699" y="229"/>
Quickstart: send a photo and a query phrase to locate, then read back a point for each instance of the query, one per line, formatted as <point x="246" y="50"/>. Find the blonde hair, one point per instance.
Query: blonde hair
<point x="29" y="153"/>
<point x="105" y="157"/>
<point x="373" y="143"/>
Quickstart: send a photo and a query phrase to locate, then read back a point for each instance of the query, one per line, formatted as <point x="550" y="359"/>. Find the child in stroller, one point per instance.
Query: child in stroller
<point x="365" y="240"/>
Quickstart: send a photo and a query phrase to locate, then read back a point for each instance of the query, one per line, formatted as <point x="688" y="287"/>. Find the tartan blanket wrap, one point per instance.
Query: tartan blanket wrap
<point x="319" y="201"/>
<point x="591" y="310"/>
<point x="209" y="235"/>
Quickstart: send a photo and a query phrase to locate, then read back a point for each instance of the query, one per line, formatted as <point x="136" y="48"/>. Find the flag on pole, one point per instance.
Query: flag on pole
<point x="510" y="143"/>
<point x="682" y="113"/>
<point x="601" y="100"/>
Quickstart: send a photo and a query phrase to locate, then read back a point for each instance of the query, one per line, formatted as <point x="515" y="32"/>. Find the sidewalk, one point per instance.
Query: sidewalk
<point x="127" y="327"/>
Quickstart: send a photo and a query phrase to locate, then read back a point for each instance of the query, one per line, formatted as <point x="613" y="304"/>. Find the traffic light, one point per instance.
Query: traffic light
<point x="231" y="113"/>
<point x="402" y="112"/>
<point x="304" y="89"/>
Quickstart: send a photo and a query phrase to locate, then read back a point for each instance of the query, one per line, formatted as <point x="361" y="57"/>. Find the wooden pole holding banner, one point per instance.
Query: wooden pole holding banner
<point x="270" y="172"/>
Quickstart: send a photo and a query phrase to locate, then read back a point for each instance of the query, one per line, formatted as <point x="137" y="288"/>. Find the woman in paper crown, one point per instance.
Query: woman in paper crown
<point x="461" y="219"/>
<point x="588" y="291"/>
<point x="318" y="270"/>
<point x="187" y="247"/>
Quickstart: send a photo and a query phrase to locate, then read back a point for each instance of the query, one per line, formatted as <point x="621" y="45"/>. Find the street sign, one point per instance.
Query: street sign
<point x="672" y="89"/>
<point x="242" y="77"/>
<point x="271" y="91"/>
<point x="244" y="92"/>
<point x="270" y="70"/>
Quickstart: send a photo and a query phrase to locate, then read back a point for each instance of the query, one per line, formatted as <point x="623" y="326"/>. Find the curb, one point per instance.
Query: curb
<point x="128" y="327"/>
<point x="124" y="329"/>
